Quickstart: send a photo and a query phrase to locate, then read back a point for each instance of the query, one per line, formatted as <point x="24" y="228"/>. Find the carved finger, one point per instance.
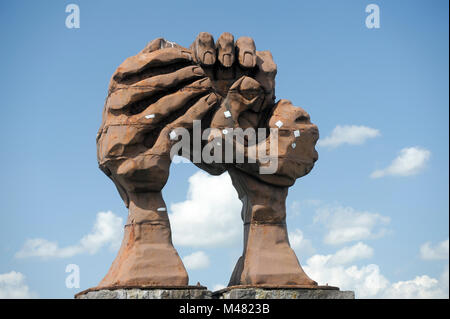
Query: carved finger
<point x="158" y="44"/>
<point x="225" y="49"/>
<point x="204" y="49"/>
<point x="246" y="52"/>
<point x="168" y="81"/>
<point x="155" y="113"/>
<point x="168" y="136"/>
<point x="138" y="63"/>
<point x="267" y="70"/>
<point x="122" y="99"/>
<point x="196" y="112"/>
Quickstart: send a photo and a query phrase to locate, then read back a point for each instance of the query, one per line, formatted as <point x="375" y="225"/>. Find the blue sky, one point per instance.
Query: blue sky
<point x="372" y="93"/>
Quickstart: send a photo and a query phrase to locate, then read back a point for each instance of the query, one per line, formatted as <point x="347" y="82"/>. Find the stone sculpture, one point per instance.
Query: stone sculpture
<point x="225" y="85"/>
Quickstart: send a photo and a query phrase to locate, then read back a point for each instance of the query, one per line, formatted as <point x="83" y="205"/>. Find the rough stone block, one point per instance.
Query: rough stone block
<point x="141" y="293"/>
<point x="297" y="293"/>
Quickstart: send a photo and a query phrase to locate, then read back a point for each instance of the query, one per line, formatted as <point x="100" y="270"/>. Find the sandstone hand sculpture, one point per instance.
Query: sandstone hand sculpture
<point x="226" y="85"/>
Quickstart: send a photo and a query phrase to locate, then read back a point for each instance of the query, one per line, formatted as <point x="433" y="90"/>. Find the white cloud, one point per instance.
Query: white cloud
<point x="196" y="260"/>
<point x="349" y="254"/>
<point x="444" y="280"/>
<point x="13" y="286"/>
<point x="218" y="287"/>
<point x="210" y="215"/>
<point x="345" y="224"/>
<point x="107" y="230"/>
<point x="349" y="134"/>
<point x="421" y="287"/>
<point x="368" y="281"/>
<point x="438" y="252"/>
<point x="410" y="161"/>
<point x="444" y="276"/>
<point x="300" y="243"/>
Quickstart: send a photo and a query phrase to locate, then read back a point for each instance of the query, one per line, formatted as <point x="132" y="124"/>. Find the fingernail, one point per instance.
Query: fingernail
<point x="208" y="58"/>
<point x="248" y="59"/>
<point x="226" y="60"/>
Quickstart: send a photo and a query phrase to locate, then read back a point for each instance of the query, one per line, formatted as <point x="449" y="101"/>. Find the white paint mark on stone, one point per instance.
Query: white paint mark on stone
<point x="227" y="114"/>
<point x="296" y="133"/>
<point x="150" y="116"/>
<point x="161" y="209"/>
<point x="279" y="124"/>
<point x="293" y="145"/>
<point x="173" y="135"/>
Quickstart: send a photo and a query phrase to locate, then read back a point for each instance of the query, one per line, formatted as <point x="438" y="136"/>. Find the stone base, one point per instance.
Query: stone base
<point x="190" y="292"/>
<point x="286" y="292"/>
<point x="233" y="292"/>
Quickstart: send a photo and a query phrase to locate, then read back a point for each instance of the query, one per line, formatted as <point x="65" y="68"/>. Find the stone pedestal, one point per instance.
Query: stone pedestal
<point x="233" y="292"/>
<point x="189" y="292"/>
<point x="321" y="292"/>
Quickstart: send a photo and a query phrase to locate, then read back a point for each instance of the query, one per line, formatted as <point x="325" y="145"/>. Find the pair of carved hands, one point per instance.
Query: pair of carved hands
<point x="167" y="86"/>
